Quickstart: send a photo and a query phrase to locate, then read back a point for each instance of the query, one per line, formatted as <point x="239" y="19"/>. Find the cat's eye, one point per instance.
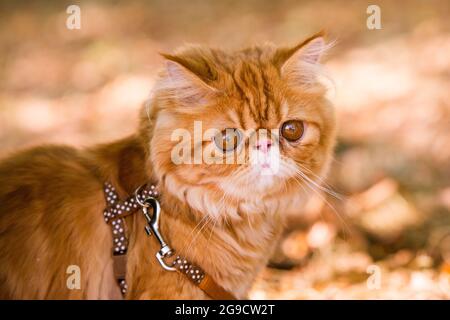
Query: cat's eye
<point x="292" y="130"/>
<point x="228" y="140"/>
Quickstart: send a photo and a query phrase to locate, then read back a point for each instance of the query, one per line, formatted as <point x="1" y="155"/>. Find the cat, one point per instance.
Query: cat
<point x="225" y="217"/>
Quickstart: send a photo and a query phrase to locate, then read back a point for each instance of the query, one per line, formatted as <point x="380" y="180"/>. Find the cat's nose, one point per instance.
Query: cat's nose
<point x="263" y="145"/>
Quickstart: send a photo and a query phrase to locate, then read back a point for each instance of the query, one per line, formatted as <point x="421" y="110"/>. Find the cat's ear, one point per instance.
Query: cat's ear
<point x="184" y="81"/>
<point x="300" y="65"/>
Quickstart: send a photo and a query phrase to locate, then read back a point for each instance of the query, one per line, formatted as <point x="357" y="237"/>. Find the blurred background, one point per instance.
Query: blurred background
<point x="387" y="233"/>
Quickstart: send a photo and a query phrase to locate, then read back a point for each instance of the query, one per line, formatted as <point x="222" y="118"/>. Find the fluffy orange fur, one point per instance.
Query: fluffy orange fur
<point x="224" y="217"/>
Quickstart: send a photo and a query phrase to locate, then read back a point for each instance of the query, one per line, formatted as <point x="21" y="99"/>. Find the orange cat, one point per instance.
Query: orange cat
<point x="223" y="216"/>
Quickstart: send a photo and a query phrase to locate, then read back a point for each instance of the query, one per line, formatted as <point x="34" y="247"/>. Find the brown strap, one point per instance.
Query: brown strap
<point x="117" y="209"/>
<point x="120" y="266"/>
<point x="205" y="282"/>
<point x="214" y="290"/>
<point x="120" y="271"/>
<point x="114" y="215"/>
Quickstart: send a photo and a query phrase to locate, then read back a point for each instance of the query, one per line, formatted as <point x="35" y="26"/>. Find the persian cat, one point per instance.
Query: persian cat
<point x="230" y="139"/>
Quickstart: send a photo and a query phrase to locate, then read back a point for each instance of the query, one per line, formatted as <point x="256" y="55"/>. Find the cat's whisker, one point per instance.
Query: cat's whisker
<point x="300" y="184"/>
<point x="313" y="186"/>
<point x="221" y="205"/>
<point x="325" y="189"/>
<point x="323" y="182"/>
<point x="317" y="192"/>
<point x="211" y="232"/>
<point x="316" y="176"/>
<point x="295" y="165"/>
<point x="202" y="221"/>
<point x="332" y="193"/>
<point x="208" y="220"/>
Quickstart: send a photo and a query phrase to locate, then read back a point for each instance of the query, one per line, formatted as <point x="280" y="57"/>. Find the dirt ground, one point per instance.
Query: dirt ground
<point x="384" y="231"/>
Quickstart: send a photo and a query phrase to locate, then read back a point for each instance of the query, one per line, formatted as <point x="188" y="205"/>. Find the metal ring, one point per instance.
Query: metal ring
<point x="163" y="264"/>
<point x="136" y="193"/>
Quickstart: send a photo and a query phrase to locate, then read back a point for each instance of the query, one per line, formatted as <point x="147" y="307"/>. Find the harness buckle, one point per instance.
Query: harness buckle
<point x="153" y="227"/>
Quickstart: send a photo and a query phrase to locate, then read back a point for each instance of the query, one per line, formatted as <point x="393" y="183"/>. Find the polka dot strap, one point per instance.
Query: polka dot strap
<point x="192" y="272"/>
<point x="198" y="277"/>
<point x="117" y="209"/>
<point x="114" y="215"/>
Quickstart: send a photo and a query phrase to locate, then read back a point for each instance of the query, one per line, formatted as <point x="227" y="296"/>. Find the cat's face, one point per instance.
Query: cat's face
<point x="245" y="125"/>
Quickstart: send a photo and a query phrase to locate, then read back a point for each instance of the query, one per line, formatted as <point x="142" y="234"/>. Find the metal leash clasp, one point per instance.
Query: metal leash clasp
<point x="152" y="227"/>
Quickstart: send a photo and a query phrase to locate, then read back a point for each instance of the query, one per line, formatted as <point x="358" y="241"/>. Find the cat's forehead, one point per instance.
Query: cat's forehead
<point x="247" y="85"/>
<point x="250" y="60"/>
<point x="255" y="85"/>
